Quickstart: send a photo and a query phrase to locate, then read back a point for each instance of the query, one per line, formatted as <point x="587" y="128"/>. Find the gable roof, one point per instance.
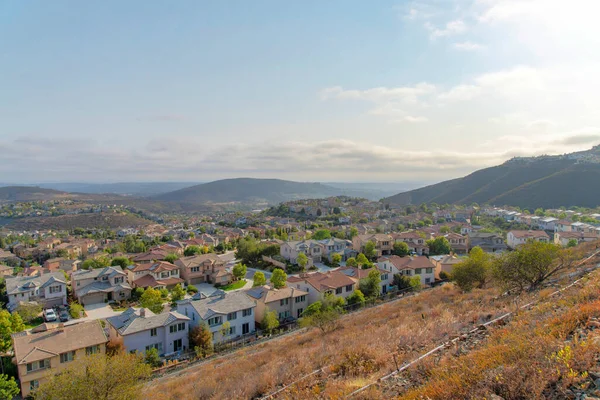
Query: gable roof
<point x="410" y="262"/>
<point x="158" y="266"/>
<point x="267" y="294"/>
<point x="221" y="304"/>
<point x="193" y="261"/>
<point x="324" y="281"/>
<point x="97" y="273"/>
<point x="131" y="321"/>
<point x="28" y="283"/>
<point x="529" y="234"/>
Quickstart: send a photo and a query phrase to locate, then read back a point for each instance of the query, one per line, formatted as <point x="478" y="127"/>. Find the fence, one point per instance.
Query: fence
<point x="274" y="262"/>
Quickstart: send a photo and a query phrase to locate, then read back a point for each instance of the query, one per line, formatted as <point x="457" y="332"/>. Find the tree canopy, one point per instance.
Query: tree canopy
<point x="259" y="278"/>
<point x="371" y="285"/>
<point x="474" y="271"/>
<point x="278" y="278"/>
<point x="152" y="300"/>
<point x="239" y="271"/>
<point x="439" y="245"/>
<point x="401" y="249"/>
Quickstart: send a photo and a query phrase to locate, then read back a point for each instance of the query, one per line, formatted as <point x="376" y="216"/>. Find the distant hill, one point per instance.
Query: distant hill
<point x="527" y="182"/>
<point x="122" y="188"/>
<point x="68" y="222"/>
<point x="249" y="190"/>
<point x="28" y="193"/>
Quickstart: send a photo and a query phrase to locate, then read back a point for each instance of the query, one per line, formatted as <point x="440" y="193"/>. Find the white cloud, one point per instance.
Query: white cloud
<point x="460" y="93"/>
<point x="410" y="118"/>
<point x="468" y="46"/>
<point x="407" y="94"/>
<point x="451" y="28"/>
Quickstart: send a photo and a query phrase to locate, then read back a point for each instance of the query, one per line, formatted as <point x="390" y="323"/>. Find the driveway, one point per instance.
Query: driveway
<point x="206" y="288"/>
<point x="322" y="267"/>
<point x="95" y="311"/>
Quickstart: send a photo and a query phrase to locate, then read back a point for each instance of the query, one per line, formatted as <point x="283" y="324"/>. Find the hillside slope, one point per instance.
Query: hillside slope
<point x="29" y="193"/>
<point x="550" y="181"/>
<point x="248" y="190"/>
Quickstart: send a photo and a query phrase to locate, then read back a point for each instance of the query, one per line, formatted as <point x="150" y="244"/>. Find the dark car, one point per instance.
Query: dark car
<point x="63" y="316"/>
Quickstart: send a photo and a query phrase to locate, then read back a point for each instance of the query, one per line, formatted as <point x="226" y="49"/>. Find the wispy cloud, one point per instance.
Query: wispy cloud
<point x="468" y="46"/>
<point x="451" y="28"/>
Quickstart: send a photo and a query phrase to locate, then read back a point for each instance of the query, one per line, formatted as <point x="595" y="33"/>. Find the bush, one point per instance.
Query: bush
<point x="76" y="310"/>
<point x="356" y="363"/>
<point x="28" y="311"/>
<point x="137" y="293"/>
<point x="152" y="358"/>
<point x="192" y="289"/>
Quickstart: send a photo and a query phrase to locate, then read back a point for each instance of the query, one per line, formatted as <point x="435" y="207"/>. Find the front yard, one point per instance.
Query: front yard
<point x="234" y="285"/>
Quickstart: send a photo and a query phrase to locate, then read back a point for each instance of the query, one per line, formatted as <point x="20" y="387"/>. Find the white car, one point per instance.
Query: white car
<point x="49" y="315"/>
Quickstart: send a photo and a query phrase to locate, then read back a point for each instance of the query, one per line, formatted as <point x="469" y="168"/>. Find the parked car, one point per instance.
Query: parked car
<point x="63" y="316"/>
<point x="49" y="315"/>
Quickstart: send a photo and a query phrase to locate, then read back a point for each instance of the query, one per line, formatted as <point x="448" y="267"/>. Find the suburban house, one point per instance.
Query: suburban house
<point x="100" y="285"/>
<point x="548" y="223"/>
<point x="142" y="330"/>
<point x="416" y="243"/>
<point x="48" y="290"/>
<point x="489" y="242"/>
<point x="337" y="246"/>
<point x="384" y="244"/>
<point x="563" y="226"/>
<point x="202" y="268"/>
<point x="563" y="238"/>
<point x="59" y="263"/>
<point x="311" y="248"/>
<point x="409" y="266"/>
<point x="357" y="274"/>
<point x="318" y="284"/>
<point x="517" y="238"/>
<point x="287" y="302"/>
<point x="458" y="243"/>
<point x="445" y="263"/>
<point x="158" y="275"/>
<point x="45" y="350"/>
<point x="73" y="250"/>
<point x="234" y="308"/>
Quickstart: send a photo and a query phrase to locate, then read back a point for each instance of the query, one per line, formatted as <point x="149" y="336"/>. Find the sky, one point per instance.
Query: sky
<point x="337" y="90"/>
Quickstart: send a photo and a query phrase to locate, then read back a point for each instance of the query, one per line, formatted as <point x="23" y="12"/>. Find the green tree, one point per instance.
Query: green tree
<point x="192" y="251"/>
<point x="371" y="285"/>
<point x="427" y="221"/>
<point x="357" y="298"/>
<point x="323" y="314"/>
<point x="475" y="271"/>
<point x="370" y="250"/>
<point x="278" y="278"/>
<point x="122" y="262"/>
<point x="224" y="330"/>
<point x="29" y="311"/>
<point x="171" y="257"/>
<point x="152" y="300"/>
<point x="572" y="243"/>
<point x="401" y="249"/>
<point x="353" y="232"/>
<point x="16" y="323"/>
<point x="351" y="262"/>
<point x="302" y="260"/>
<point x="177" y="293"/>
<point x="361" y="259"/>
<point x="540" y="212"/>
<point x="575" y="218"/>
<point x="269" y="322"/>
<point x="191" y="289"/>
<point x="439" y="245"/>
<point x="8" y="387"/>
<point x="336" y="259"/>
<point x="201" y="340"/>
<point x="152" y="358"/>
<point x="239" y="271"/>
<point x="119" y="377"/>
<point x="415" y="283"/>
<point x="62" y="253"/>
<point x="400" y="228"/>
<point x="75" y="310"/>
<point x="5" y="331"/>
<point x="322" y="234"/>
<point x="259" y="279"/>
<point x="445" y="229"/>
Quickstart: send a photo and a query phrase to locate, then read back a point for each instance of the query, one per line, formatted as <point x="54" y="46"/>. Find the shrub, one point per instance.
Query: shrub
<point x="192" y="289"/>
<point x="201" y="340"/>
<point x="152" y="358"/>
<point x="357" y="362"/>
<point x="76" y="310"/>
<point x="29" y="311"/>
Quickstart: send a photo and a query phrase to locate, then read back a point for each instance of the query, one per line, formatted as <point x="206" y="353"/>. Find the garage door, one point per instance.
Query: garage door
<point x="196" y="281"/>
<point x="93" y="299"/>
<point x="49" y="303"/>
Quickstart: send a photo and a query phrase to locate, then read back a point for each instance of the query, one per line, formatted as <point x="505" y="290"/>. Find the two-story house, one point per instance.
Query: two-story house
<point x="489" y="242"/>
<point x="287" y="303"/>
<point x="142" y="330"/>
<point x="48" y="290"/>
<point x="202" y="268"/>
<point x="357" y="274"/>
<point x="311" y="248"/>
<point x="234" y="308"/>
<point x="409" y="266"/>
<point x="517" y="238"/>
<point x="63" y="264"/>
<point x="158" y="275"/>
<point x="45" y="350"/>
<point x="384" y="244"/>
<point x="563" y="238"/>
<point x="337" y="246"/>
<point x="319" y="284"/>
<point x="100" y="285"/>
<point x="458" y="243"/>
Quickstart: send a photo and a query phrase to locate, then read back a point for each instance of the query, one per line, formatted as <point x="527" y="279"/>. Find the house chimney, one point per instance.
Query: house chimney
<point x="143" y="312"/>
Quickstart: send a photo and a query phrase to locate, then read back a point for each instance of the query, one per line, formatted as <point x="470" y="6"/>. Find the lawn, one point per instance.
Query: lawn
<point x="233" y="285"/>
<point x="34" y="322"/>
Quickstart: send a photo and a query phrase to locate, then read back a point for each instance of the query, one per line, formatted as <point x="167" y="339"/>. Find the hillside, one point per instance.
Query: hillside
<point x="27" y="193"/>
<point x="547" y="181"/>
<point x="123" y="188"/>
<point x="248" y="190"/>
<point x="68" y="222"/>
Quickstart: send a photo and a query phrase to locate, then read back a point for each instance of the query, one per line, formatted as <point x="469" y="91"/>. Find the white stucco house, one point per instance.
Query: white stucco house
<point x="48" y="290"/>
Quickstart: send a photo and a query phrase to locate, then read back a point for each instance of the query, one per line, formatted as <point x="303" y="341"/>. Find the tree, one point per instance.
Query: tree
<point x="119" y="377"/>
<point x="75" y="310"/>
<point x="337" y="211"/>
<point x="531" y="264"/>
<point x="269" y="322"/>
<point x="16" y="323"/>
<point x="191" y="289"/>
<point x="357" y="298"/>
<point x="475" y="271"/>
<point x="5" y="331"/>
<point x="29" y="311"/>
<point x="371" y="285"/>
<point x="302" y="260"/>
<point x="401" y="249"/>
<point x="361" y="259"/>
<point x="575" y="218"/>
<point x="540" y="212"/>
<point x="8" y="387"/>
<point x="572" y="243"/>
<point x="224" y="330"/>
<point x="439" y="245"/>
<point x="239" y="271"/>
<point x="353" y="232"/>
<point x="402" y="282"/>
<point x="427" y="221"/>
<point x="370" y="251"/>
<point x="192" y="251"/>
<point x="336" y="259"/>
<point x="259" y="279"/>
<point x="278" y="278"/>
<point x="445" y="229"/>
<point x="322" y="234"/>
<point x="62" y="253"/>
<point x="152" y="358"/>
<point x="323" y="314"/>
<point x="152" y="300"/>
<point x="351" y="262"/>
<point x="201" y="340"/>
<point x="415" y="283"/>
<point x="93" y="263"/>
<point x="122" y="262"/>
<point x="171" y="257"/>
<point x="177" y="293"/>
<point x="400" y="228"/>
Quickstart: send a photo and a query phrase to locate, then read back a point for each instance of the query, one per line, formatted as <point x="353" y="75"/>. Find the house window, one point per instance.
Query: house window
<point x="55" y="289"/>
<point x="195" y="269"/>
<point x="232" y="316"/>
<point x="214" y="321"/>
<point x="153" y="332"/>
<point x="418" y="271"/>
<point x="67" y="357"/>
<point x="284" y="315"/>
<point x="37" y="365"/>
<point x="338" y="290"/>
<point x="177" y="345"/>
<point x="92" y="350"/>
<point x="178" y="327"/>
<point x="300" y="299"/>
<point x="157" y="346"/>
<point x="247" y="312"/>
<point x="164" y="275"/>
<point x="300" y="311"/>
<point x="232" y="330"/>
<point x="283" y="302"/>
<point x="245" y="328"/>
<point x="429" y="270"/>
<point x="427" y="280"/>
<point x="384" y="277"/>
<point x="34" y="385"/>
<point x="105" y="278"/>
<point x="348" y="288"/>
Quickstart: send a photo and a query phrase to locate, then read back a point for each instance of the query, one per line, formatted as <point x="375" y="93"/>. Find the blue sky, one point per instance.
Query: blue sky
<point x="312" y="90"/>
